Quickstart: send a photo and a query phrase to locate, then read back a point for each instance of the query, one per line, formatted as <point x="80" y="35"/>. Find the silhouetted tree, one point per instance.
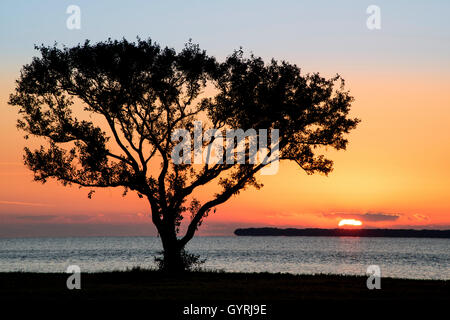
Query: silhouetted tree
<point x="108" y="111"/>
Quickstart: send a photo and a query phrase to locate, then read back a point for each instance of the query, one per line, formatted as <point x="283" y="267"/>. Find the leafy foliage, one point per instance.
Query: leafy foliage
<point x="187" y="262"/>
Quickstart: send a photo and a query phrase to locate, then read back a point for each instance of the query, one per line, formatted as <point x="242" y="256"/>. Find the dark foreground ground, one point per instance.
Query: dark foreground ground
<point x="279" y="292"/>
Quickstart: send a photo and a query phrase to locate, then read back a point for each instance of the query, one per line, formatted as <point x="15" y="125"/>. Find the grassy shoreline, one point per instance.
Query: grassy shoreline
<point x="215" y="287"/>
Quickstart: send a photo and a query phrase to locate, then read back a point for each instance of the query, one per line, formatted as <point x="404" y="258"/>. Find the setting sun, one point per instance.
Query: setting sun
<point x="349" y="222"/>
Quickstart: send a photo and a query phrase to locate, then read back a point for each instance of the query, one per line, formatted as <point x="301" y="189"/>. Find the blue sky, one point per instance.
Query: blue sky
<point x="303" y="31"/>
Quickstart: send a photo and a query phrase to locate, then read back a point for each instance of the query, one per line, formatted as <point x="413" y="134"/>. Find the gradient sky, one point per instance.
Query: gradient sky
<point x="395" y="172"/>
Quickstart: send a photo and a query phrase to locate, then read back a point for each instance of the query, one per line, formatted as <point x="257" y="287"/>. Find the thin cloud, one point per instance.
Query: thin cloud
<point x="23" y="203"/>
<point x="372" y="217"/>
<point x="36" y="217"/>
<point x="421" y="217"/>
<point x="76" y="218"/>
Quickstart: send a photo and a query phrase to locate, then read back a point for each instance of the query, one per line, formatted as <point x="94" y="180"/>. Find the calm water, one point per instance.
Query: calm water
<point x="397" y="257"/>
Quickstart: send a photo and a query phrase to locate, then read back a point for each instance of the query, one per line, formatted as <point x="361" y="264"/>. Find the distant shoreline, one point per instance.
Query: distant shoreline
<point x="341" y="232"/>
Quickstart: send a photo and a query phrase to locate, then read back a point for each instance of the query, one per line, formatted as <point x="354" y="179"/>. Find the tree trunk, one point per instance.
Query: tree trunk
<point x="173" y="261"/>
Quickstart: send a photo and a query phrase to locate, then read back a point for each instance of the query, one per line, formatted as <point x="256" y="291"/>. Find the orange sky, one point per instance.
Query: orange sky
<point x="396" y="164"/>
<point x="395" y="172"/>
